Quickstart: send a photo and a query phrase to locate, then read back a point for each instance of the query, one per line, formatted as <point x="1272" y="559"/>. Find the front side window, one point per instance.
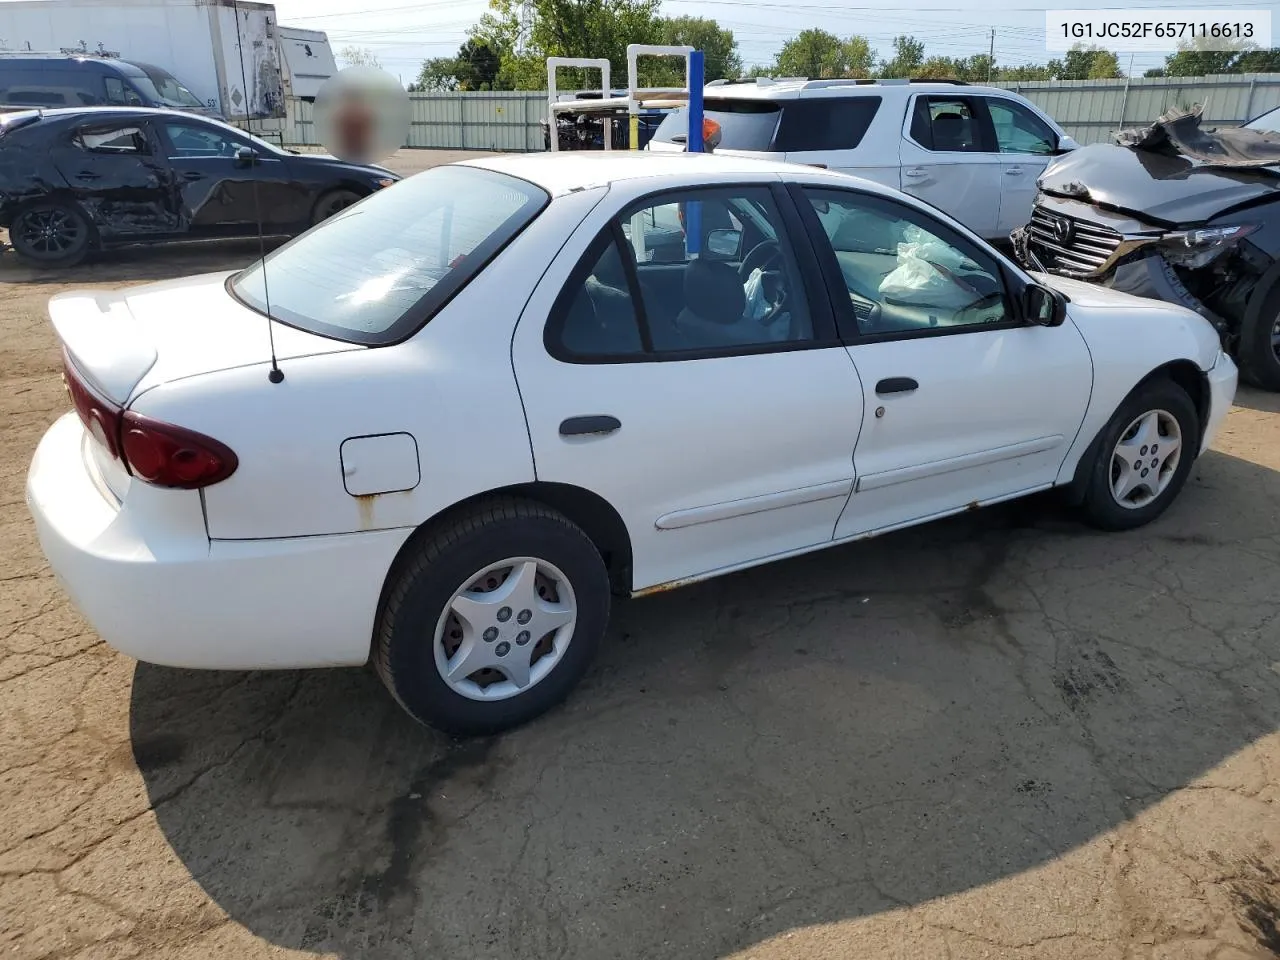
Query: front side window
<point x="114" y="139"/>
<point x="905" y="273"/>
<point x="121" y="94"/>
<point x="200" y="140"/>
<point x="377" y="271"/>
<point x="1018" y="130"/>
<point x="946" y="125"/>
<point x="694" y="273"/>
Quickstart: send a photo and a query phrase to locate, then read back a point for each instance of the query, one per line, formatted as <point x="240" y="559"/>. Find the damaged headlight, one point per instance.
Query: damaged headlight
<point x="1195" y="248"/>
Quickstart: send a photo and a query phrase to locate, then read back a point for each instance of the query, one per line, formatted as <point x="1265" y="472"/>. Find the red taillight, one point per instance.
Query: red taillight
<point x="169" y="456"/>
<point x="100" y="417"/>
<point x="157" y="452"/>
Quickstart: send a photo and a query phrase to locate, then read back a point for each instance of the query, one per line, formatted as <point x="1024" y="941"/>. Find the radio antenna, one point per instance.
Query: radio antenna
<point x="275" y="375"/>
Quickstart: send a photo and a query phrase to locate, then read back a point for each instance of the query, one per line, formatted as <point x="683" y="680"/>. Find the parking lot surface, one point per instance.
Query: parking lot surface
<point x="1003" y="735"/>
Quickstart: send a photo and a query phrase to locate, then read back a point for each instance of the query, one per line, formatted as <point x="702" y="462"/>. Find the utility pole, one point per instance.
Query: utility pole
<point x="991" y="55"/>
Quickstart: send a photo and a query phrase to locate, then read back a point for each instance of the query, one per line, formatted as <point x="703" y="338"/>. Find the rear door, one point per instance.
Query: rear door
<point x="827" y="131"/>
<point x="1026" y="143"/>
<point x="722" y="434"/>
<point x="949" y="160"/>
<point x="219" y="196"/>
<point x="115" y="171"/>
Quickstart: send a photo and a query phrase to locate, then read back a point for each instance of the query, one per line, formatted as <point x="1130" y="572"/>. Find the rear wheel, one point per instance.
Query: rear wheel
<point x="492" y="619"/>
<point x="51" y="234"/>
<point x="1258" y="352"/>
<point x="331" y="202"/>
<point x="1144" y="457"/>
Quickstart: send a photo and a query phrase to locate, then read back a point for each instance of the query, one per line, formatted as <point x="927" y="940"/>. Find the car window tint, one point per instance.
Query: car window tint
<point x="600" y="318"/>
<point x="945" y="125"/>
<point x="726" y="279"/>
<point x="1018" y="130"/>
<point x="198" y="140"/>
<point x="112" y="140"/>
<point x="904" y="272"/>
<point x="825" y="123"/>
<point x="377" y="271"/>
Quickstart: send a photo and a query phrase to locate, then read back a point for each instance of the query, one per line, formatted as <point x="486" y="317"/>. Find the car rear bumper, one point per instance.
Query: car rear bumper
<point x="1223" y="378"/>
<point x="151" y="583"/>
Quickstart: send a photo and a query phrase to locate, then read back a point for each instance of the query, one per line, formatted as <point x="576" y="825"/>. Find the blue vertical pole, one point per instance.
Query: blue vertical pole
<point x="693" y="144"/>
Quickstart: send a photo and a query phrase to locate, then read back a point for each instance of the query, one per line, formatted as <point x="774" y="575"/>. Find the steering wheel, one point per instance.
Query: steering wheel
<point x="761" y="255"/>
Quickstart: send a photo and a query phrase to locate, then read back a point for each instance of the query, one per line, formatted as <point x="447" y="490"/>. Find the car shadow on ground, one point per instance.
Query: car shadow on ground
<point x="127" y="265"/>
<point x="820" y="739"/>
<point x="1264" y="401"/>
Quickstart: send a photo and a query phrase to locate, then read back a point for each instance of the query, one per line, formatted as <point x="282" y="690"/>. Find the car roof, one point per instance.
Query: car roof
<point x="569" y="171"/>
<point x="787" y="88"/>
<point x="63" y="113"/>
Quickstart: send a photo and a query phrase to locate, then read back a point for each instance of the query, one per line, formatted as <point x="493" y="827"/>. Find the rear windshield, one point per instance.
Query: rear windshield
<point x="374" y="273"/>
<point x="788" y="126"/>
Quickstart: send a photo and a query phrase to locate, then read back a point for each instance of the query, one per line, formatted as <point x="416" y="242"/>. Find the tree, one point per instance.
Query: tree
<point x="818" y="54"/>
<point x="908" y="58"/>
<point x="476" y="66"/>
<point x="717" y="44"/>
<point x="1192" y="60"/>
<point x="359" y="57"/>
<point x="1086" y="63"/>
<point x="437" y="74"/>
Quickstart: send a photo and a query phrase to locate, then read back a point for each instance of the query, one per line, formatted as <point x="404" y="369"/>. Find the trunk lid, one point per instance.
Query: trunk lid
<point x="1170" y="191"/>
<point x="124" y="342"/>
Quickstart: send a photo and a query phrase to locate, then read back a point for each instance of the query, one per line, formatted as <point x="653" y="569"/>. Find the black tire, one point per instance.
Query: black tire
<point x="51" y="234"/>
<point x="1256" y="354"/>
<point x="333" y="201"/>
<point x="443" y="562"/>
<point x="1100" y="506"/>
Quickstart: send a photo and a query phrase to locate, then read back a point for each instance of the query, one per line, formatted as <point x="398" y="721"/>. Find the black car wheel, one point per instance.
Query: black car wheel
<point x="51" y="234"/>
<point x="1258" y="352"/>
<point x="333" y="201"/>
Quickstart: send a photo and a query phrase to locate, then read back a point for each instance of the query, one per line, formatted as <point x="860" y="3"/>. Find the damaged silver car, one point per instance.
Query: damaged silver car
<point x="1177" y="212"/>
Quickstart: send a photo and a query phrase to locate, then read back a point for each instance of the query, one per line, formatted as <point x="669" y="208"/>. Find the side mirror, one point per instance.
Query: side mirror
<point x="724" y="244"/>
<point x="246" y="157"/>
<point x="1042" y="306"/>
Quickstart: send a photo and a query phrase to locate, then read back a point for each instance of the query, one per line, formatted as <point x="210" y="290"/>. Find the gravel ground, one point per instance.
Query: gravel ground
<point x="1000" y="736"/>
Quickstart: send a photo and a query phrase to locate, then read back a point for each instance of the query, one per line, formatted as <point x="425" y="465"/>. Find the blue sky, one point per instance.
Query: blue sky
<point x="403" y="34"/>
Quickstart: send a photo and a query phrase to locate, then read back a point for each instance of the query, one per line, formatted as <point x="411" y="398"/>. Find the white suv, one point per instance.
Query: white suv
<point x="973" y="152"/>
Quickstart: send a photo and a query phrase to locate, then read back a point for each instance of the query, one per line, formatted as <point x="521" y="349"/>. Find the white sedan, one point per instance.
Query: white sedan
<point x="504" y="390"/>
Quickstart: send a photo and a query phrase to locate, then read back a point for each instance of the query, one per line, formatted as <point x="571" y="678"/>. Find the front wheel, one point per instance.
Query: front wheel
<point x="1258" y="352"/>
<point x="493" y="619"/>
<point x="1143" y="458"/>
<point x="332" y="202"/>
<point x="51" y="234"/>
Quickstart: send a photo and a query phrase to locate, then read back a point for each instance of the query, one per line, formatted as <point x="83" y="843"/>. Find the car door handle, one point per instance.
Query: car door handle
<point x="86" y="175"/>
<point x="896" y="385"/>
<point x="1013" y="171"/>
<point x="915" y="172"/>
<point x="192" y="175"/>
<point x="587" y="426"/>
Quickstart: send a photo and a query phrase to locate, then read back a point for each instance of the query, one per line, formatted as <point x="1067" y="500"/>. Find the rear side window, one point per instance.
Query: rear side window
<point x="377" y="271"/>
<point x="946" y="125"/>
<point x="113" y="140"/>
<point x="825" y="123"/>
<point x="744" y="124"/>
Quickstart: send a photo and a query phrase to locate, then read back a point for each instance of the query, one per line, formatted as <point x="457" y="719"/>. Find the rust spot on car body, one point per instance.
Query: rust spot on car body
<point x="665" y="587"/>
<point x="974" y="505"/>
<point x="364" y="502"/>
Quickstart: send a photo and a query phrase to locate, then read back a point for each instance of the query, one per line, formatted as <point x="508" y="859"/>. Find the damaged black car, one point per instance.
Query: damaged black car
<point x="77" y="180"/>
<point x="1177" y="212"/>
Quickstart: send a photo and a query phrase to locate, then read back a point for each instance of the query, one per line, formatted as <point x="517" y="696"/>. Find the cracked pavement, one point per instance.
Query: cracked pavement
<point x="1000" y="736"/>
